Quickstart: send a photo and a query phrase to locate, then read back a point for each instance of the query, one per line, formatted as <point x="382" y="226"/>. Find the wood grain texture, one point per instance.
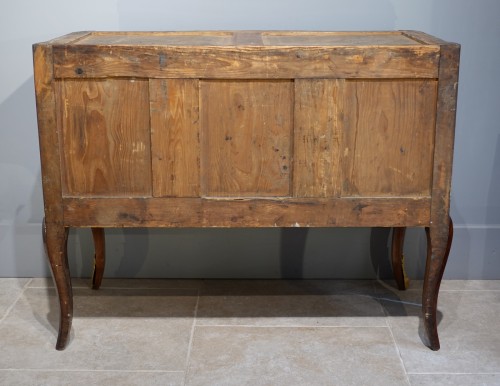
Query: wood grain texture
<point x="48" y="132"/>
<point x="245" y="62"/>
<point x="175" y="137"/>
<point x="444" y="136"/>
<point x="440" y="231"/>
<point x="388" y="138"/>
<point x="159" y="38"/>
<point x="251" y="212"/>
<point x="246" y="129"/>
<point x="106" y="149"/>
<point x="422" y="37"/>
<point x="71" y="38"/>
<point x="335" y="39"/>
<point x="245" y="37"/>
<point x="317" y="137"/>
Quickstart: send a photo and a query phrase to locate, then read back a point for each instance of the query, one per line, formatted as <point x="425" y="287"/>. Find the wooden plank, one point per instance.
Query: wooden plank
<point x="48" y="132"/>
<point x="440" y="231"/>
<point x="246" y="134"/>
<point x="422" y="37"/>
<point x="317" y="137"/>
<point x="338" y="39"/>
<point x="105" y="125"/>
<point x="71" y="38"/>
<point x="175" y="137"/>
<point x="163" y="38"/>
<point x="246" y="62"/>
<point x="445" y="135"/>
<point x="388" y="138"/>
<point x="248" y="38"/>
<point x="252" y="212"/>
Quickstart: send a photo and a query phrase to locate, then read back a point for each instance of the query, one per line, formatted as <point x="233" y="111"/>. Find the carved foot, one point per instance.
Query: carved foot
<point x="55" y="237"/>
<point x="99" y="257"/>
<point x="398" y="267"/>
<point x="438" y="248"/>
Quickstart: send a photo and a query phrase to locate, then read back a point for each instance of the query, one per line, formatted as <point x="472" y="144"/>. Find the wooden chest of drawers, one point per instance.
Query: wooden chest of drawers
<point x="246" y="129"/>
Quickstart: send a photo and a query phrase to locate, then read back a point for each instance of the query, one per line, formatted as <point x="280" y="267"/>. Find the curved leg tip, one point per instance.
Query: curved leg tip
<point x="62" y="342"/>
<point x="60" y="346"/>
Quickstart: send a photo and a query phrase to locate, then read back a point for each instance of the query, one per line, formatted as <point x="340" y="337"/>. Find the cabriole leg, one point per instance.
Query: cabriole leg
<point x="99" y="257"/>
<point x="55" y="238"/>
<point x="398" y="268"/>
<point x="438" y="249"/>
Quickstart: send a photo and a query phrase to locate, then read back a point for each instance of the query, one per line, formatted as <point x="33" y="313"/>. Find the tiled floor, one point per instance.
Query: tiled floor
<point x="254" y="332"/>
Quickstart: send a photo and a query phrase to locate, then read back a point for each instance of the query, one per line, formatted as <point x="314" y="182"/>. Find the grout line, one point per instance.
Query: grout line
<point x="96" y="371"/>
<point x="149" y="288"/>
<point x="282" y="326"/>
<point x="125" y="288"/>
<point x="438" y="373"/>
<point x="469" y="290"/>
<point x="191" y="338"/>
<point x="21" y="293"/>
<point x="396" y="347"/>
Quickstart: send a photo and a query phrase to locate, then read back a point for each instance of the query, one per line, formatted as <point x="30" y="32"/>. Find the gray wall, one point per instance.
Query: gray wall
<point x="336" y="253"/>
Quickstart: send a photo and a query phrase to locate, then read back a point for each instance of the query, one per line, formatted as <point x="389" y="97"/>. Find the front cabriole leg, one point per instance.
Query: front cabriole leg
<point x="438" y="248"/>
<point x="55" y="238"/>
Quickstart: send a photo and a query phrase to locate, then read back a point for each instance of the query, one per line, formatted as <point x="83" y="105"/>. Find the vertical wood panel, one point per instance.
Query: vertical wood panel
<point x="175" y="137"/>
<point x="389" y="137"/>
<point x="317" y="137"/>
<point x="445" y="135"/>
<point x="49" y="134"/>
<point x="246" y="137"/>
<point x="106" y="137"/>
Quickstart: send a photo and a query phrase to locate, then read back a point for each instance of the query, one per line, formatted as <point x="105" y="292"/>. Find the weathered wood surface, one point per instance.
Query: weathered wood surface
<point x="441" y="229"/>
<point x="318" y="129"/>
<point x="423" y="38"/>
<point x="246" y="62"/>
<point x="245" y="137"/>
<point x="48" y="133"/>
<point x="175" y="137"/>
<point x="249" y="212"/>
<point x="388" y="138"/>
<point x="243" y="37"/>
<point x="106" y="136"/>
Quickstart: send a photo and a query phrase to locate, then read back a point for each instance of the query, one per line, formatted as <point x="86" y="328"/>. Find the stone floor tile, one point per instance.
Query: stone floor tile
<point x="113" y="329"/>
<point x="85" y="378"/>
<point x="122" y="283"/>
<point x="10" y="289"/>
<point x="289" y="303"/>
<point x="455" y="379"/>
<point x="470" y="285"/>
<point x="450" y="285"/>
<point x="468" y="329"/>
<point x="294" y="356"/>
